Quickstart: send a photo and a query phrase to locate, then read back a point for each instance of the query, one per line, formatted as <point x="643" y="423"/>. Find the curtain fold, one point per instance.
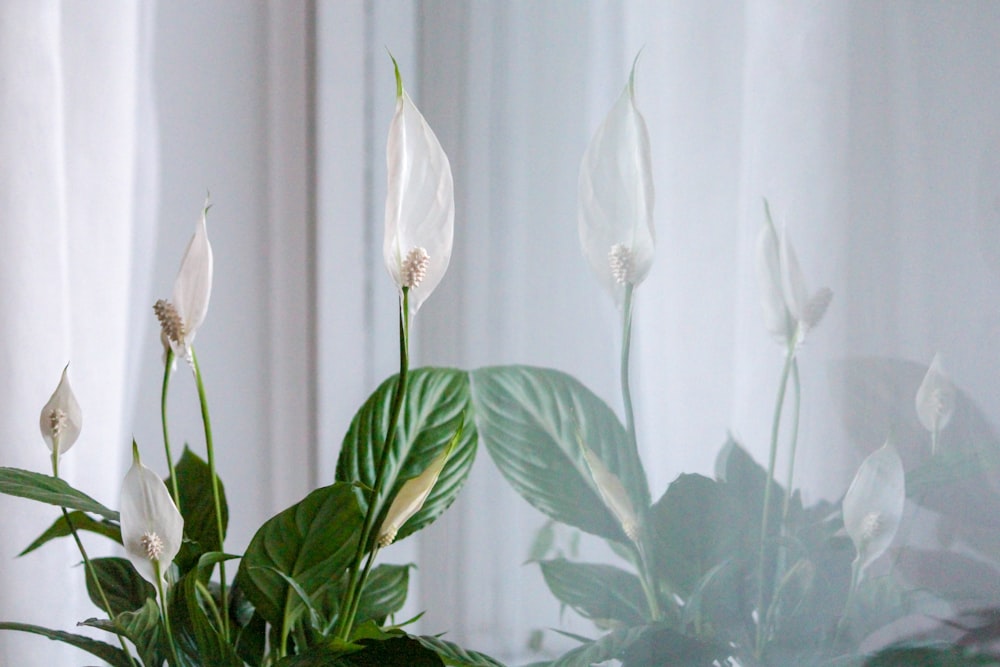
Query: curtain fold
<point x="69" y="75"/>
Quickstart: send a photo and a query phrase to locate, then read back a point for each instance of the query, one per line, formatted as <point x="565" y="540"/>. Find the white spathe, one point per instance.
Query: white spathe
<point x="873" y="505"/>
<point x="61" y="418"/>
<point x="152" y="527"/>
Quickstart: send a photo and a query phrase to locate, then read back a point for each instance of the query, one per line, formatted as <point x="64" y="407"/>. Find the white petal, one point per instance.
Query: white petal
<point x="935" y="398"/>
<point x="612" y="493"/>
<point x="147" y="508"/>
<point x="412" y="496"/>
<point x="193" y="286"/>
<point x="777" y="319"/>
<point x="616" y="194"/>
<point x="793" y="281"/>
<point x="61" y="419"/>
<point x="873" y="505"/>
<point x="420" y="198"/>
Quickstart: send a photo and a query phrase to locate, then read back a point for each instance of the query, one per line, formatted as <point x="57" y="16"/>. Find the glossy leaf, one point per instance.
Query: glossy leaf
<point x="384" y="593"/>
<point x="143" y="628"/>
<point x="453" y="654"/>
<point x="49" y="490"/>
<point x="189" y="614"/>
<point x="312" y="542"/>
<point x="595" y="591"/>
<point x="436" y="400"/>
<point x="110" y="654"/>
<point x="125" y="588"/>
<point x="197" y="505"/>
<point x="81" y="521"/>
<point x="532" y="420"/>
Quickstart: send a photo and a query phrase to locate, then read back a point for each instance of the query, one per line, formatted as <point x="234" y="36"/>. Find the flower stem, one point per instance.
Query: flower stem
<point x="216" y="495"/>
<point x="166" y="435"/>
<point x="355" y="585"/>
<point x="768" y="485"/>
<point x="164" y="612"/>
<point x="86" y="559"/>
<point x="796" y="385"/>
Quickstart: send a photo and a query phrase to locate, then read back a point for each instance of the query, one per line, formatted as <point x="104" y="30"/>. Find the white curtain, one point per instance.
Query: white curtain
<point x="74" y="200"/>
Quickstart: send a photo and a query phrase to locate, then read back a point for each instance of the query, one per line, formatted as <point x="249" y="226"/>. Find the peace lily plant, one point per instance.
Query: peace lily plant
<point x="732" y="569"/>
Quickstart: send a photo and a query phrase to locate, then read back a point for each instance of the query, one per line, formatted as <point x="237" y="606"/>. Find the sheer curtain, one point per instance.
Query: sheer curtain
<point x="73" y="193"/>
<point x="870" y="129"/>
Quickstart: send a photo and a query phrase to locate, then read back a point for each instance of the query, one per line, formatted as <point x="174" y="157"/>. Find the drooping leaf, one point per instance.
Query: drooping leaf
<point x="143" y="628"/>
<point x="125" y="588"/>
<point x="434" y="404"/>
<point x="453" y="654"/>
<point x="50" y="490"/>
<point x="596" y="591"/>
<point x="81" y="521"/>
<point x="532" y="421"/>
<point x="197" y="505"/>
<point x="312" y="542"/>
<point x="110" y="654"/>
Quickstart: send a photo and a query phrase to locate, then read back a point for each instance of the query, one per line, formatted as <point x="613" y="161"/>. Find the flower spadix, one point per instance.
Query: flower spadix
<point x="616" y="197"/>
<point x="873" y="505"/>
<point x="419" y="202"/>
<point x="413" y="494"/>
<point x="184" y="313"/>
<point x="61" y="418"/>
<point x="935" y="398"/>
<point x="612" y="491"/>
<point x="152" y="528"/>
<point x="790" y="311"/>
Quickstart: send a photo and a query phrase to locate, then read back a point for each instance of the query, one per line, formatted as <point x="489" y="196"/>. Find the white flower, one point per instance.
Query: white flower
<point x="181" y="317"/>
<point x="152" y="528"/>
<point x="412" y="496"/>
<point x="61" y="418"/>
<point x="789" y="309"/>
<point x="935" y="398"/>
<point x="419" y="203"/>
<point x="873" y="505"/>
<point x="612" y="492"/>
<point x="616" y="197"/>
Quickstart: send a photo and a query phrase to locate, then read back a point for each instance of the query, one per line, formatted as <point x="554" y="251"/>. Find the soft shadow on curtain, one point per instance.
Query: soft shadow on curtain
<point x="76" y="201"/>
<point x="867" y="126"/>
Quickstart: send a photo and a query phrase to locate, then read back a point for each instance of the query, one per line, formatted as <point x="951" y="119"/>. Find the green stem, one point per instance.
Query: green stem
<point x="768" y="484"/>
<point x="353" y="590"/>
<point x="353" y="612"/>
<point x="83" y="554"/>
<point x="165" y="613"/>
<point x="169" y="361"/>
<point x="796" y="385"/>
<point x="216" y="495"/>
<point x="855" y="580"/>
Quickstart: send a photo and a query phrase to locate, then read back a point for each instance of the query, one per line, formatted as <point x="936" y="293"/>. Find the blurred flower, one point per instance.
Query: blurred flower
<point x="61" y="418"/>
<point x="419" y="203"/>
<point x="181" y="317"/>
<point x="616" y="197"/>
<point x="789" y="310"/>
<point x="935" y="399"/>
<point x="152" y="528"/>
<point x="412" y="496"/>
<point x="612" y="492"/>
<point x="873" y="505"/>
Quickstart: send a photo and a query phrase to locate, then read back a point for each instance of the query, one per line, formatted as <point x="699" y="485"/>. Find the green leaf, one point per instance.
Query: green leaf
<point x="81" y="521"/>
<point x="532" y="421"/>
<point x="50" y="490"/>
<point x="662" y="646"/>
<point x="312" y="542"/>
<point x="453" y="654"/>
<point x="106" y="652"/>
<point x="608" y="647"/>
<point x="437" y="401"/>
<point x="189" y="613"/>
<point x="142" y="627"/>
<point x="125" y="588"/>
<point x="384" y="593"/>
<point x="930" y="656"/>
<point x="197" y="505"/>
<point x="598" y="592"/>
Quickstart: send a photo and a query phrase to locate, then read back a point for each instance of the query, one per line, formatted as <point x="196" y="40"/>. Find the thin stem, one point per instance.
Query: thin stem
<point x="216" y="495"/>
<point x="648" y="586"/>
<point x="353" y="590"/>
<point x="796" y="385"/>
<point x="855" y="580"/>
<point x="169" y="361"/>
<point x="86" y="559"/>
<point x="768" y="484"/>
<point x="353" y="612"/>
<point x="164" y="612"/>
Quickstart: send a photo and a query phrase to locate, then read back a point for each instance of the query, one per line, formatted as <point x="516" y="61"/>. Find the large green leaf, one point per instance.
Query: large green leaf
<point x="384" y="593"/>
<point x="532" y="421"/>
<point x="197" y="503"/>
<point x="598" y="592"/>
<point x="81" y="521"/>
<point x="50" y="490"/>
<point x="453" y="654"/>
<point x="126" y="589"/>
<point x="436" y="403"/>
<point x="143" y="628"/>
<point x="189" y="614"/>
<point x="312" y="542"/>
<point x="110" y="654"/>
